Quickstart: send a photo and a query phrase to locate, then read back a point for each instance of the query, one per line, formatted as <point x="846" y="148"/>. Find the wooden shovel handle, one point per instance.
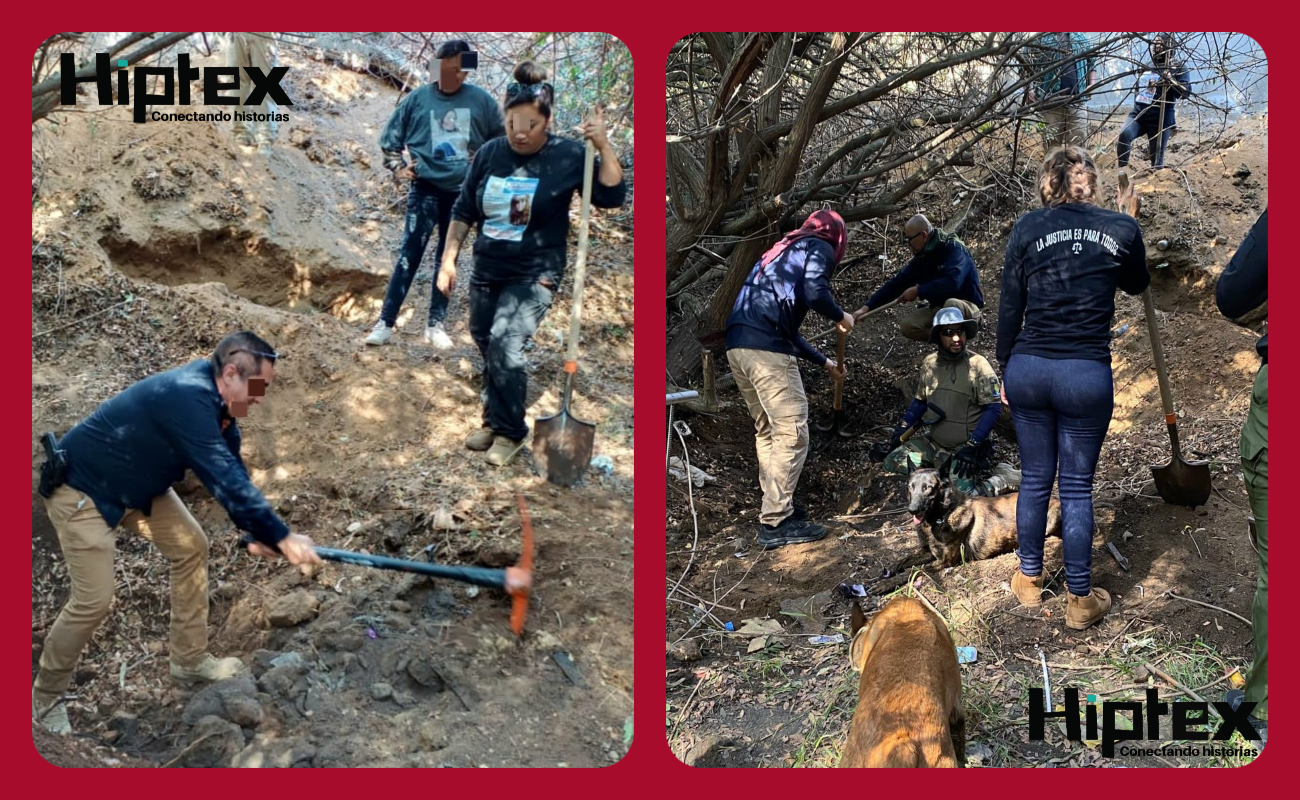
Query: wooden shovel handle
<point x="580" y="266"/>
<point x="841" y="339"/>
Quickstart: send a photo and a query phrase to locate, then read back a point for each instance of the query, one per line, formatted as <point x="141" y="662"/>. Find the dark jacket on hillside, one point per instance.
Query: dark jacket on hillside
<point x="1243" y="286"/>
<point x="942" y="270"/>
<point x="137" y="444"/>
<point x="775" y="299"/>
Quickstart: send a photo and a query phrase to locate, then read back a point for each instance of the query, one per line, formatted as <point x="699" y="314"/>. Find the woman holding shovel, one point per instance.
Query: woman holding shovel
<point x="519" y="259"/>
<point x="1063" y="264"/>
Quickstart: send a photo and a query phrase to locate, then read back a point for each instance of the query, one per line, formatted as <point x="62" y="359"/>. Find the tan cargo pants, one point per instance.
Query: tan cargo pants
<point x="773" y="391"/>
<point x="88" y="547"/>
<point x="1063" y="125"/>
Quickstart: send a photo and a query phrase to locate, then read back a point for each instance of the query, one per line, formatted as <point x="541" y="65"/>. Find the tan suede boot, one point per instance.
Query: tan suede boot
<point x="1080" y="612"/>
<point x="1029" y="591"/>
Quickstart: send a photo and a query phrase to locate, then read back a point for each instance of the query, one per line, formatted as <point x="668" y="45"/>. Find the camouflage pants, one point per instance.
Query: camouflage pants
<point x="920" y="452"/>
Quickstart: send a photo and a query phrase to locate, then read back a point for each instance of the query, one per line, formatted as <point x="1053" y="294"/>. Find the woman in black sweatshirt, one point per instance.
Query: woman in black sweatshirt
<point x="517" y="193"/>
<point x="1063" y="264"/>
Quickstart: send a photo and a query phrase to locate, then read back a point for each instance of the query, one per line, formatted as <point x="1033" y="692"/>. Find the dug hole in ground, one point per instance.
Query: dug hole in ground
<point x="150" y="243"/>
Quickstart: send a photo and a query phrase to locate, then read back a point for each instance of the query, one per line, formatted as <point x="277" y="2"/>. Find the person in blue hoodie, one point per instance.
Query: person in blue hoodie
<point x="764" y="348"/>
<point x="1153" y="115"/>
<point x="121" y="462"/>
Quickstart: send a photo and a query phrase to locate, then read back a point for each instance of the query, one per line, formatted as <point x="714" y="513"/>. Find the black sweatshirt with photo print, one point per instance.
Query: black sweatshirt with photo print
<point x="519" y="206"/>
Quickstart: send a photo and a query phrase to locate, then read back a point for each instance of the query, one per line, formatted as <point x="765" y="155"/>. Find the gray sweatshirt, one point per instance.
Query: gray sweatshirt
<point x="442" y="131"/>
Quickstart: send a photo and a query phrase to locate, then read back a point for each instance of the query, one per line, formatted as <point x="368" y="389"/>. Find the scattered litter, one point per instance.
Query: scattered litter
<point x="757" y="643"/>
<point x="837" y="638"/>
<point x="859" y="590"/>
<point x="1162" y="265"/>
<point x="354" y="527"/>
<point x="1127" y="536"/>
<point x="370" y="633"/>
<point x="570" y="670"/>
<point x="758" y="627"/>
<point x="887" y="573"/>
<point x="603" y="464"/>
<point x="965" y="655"/>
<point x="1121" y="330"/>
<point x="1236" y="680"/>
<point x="471" y="592"/>
<point x="978" y="754"/>
<point x="741" y="554"/>
<point x="677" y="468"/>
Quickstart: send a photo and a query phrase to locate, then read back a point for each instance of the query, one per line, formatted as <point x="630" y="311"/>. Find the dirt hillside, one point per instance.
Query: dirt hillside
<point x="789" y="702"/>
<point x="149" y="243"/>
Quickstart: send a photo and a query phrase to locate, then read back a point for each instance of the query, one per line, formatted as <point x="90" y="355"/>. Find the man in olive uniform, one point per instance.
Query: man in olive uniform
<point x="963" y="385"/>
<point x="1242" y="293"/>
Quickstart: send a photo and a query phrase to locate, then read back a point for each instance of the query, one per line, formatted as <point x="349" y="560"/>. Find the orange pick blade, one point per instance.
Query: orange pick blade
<point x="522" y="573"/>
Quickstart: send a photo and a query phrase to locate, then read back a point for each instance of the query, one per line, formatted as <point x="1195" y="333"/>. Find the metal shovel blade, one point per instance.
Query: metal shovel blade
<point x="562" y="446"/>
<point x="1183" y="483"/>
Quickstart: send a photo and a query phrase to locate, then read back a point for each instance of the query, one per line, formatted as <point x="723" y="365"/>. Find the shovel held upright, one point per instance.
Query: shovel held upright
<point x="562" y="443"/>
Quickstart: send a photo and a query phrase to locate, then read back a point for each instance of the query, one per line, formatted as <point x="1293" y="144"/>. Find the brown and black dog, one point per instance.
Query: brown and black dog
<point x="948" y="520"/>
<point x="909" y="698"/>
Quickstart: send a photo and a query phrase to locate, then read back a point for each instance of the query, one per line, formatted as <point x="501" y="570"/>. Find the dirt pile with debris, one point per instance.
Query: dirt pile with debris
<point x="151" y="242"/>
<point x="798" y="697"/>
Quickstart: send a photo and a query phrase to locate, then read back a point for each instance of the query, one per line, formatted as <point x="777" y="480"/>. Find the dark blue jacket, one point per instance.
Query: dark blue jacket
<point x="942" y="270"/>
<point x="137" y="444"/>
<point x="1058" y="284"/>
<point x="1243" y="286"/>
<point x="774" y="300"/>
<point x="1147" y="102"/>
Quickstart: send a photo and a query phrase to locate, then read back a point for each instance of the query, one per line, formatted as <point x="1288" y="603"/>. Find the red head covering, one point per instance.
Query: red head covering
<point x="825" y="225"/>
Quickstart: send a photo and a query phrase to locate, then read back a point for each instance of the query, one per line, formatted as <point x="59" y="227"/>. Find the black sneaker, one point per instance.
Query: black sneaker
<point x="790" y="531"/>
<point x="799" y="514"/>
<point x="1234" y="698"/>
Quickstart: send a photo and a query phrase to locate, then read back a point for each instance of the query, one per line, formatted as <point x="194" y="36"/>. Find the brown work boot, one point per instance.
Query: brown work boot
<point x="1029" y="591"/>
<point x="50" y="713"/>
<point x="503" y="451"/>
<point x="209" y="670"/>
<point x="1080" y="612"/>
<point x="480" y="439"/>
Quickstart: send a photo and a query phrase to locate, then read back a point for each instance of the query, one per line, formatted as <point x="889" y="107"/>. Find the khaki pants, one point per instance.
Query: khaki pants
<point x="917" y="324"/>
<point x="1064" y="126"/>
<point x="773" y="391"/>
<point x="253" y="50"/>
<point x="88" y="547"/>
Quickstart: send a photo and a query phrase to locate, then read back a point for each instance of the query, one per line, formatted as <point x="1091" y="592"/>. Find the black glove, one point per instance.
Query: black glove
<point x="880" y="450"/>
<point x="966" y="461"/>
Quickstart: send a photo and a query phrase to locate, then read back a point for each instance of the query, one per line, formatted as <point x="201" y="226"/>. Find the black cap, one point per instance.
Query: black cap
<point x="453" y="47"/>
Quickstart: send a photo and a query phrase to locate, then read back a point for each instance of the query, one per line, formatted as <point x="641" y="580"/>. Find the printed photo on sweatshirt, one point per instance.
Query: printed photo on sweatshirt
<point x="507" y="207"/>
<point x="450" y="134"/>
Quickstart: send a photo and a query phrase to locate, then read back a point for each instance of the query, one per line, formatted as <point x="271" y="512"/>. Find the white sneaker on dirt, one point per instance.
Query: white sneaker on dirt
<point x="51" y="714"/>
<point x="380" y="334"/>
<point x="437" y="336"/>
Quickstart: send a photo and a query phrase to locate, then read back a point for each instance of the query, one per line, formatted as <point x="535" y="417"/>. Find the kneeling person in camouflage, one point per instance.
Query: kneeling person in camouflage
<point x="963" y="388"/>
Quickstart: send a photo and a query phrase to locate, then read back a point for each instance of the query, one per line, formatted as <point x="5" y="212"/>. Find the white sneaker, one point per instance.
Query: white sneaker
<point x="381" y="333"/>
<point x="437" y="336"/>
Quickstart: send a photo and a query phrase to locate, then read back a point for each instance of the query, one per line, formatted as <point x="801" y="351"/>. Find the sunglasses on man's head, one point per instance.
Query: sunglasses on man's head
<point x="268" y="356"/>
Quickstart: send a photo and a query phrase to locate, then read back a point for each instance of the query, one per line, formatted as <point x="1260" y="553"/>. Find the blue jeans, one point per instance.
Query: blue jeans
<point x="1061" y="409"/>
<point x="1146" y="123"/>
<point x="426" y="205"/>
<point x="501" y="317"/>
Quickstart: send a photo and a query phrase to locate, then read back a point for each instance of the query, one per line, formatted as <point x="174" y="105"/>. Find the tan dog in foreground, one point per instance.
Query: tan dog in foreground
<point x="909" y="698"/>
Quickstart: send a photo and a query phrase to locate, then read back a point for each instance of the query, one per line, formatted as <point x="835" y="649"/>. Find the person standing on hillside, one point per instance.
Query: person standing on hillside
<point x="1066" y="74"/>
<point x="1153" y="116"/>
<point x="442" y="125"/>
<point x="253" y="50"/>
<point x="764" y="348"/>
<point x="117" y="466"/>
